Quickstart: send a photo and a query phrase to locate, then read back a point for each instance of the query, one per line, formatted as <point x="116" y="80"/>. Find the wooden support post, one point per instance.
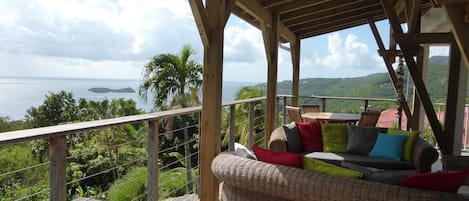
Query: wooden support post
<point x="58" y="166"/>
<point x="271" y="38"/>
<point x="187" y="158"/>
<point x="153" y="167"/>
<point x="232" y="127"/>
<point x="251" y="125"/>
<point x="323" y="104"/>
<point x="456" y="14"/>
<point x="455" y="103"/>
<point x="419" y="84"/>
<point x="418" y="114"/>
<point x="366" y="106"/>
<point x="210" y="135"/>
<point x="284" y="111"/>
<point x="277" y="111"/>
<point x="388" y="62"/>
<point x="295" y="58"/>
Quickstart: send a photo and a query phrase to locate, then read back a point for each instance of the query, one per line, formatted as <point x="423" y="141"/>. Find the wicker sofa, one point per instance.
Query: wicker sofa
<point x="423" y="154"/>
<point x="246" y="179"/>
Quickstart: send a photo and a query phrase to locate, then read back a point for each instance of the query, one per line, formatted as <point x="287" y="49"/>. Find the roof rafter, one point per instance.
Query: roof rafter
<point x="255" y="9"/>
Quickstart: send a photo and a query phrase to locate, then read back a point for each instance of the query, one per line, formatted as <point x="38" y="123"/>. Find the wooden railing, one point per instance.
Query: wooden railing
<point x="58" y="145"/>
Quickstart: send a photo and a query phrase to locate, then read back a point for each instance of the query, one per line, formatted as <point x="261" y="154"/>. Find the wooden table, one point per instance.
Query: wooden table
<point x="331" y="117"/>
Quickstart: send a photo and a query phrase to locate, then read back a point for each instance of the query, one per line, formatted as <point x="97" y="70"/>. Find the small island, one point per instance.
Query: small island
<point x="106" y="90"/>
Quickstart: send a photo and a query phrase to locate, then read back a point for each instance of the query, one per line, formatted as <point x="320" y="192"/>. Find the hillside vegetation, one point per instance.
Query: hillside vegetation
<point x="371" y="86"/>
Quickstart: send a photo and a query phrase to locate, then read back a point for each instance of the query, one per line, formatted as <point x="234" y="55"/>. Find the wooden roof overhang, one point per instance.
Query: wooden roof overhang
<point x="309" y="18"/>
<point x="294" y="20"/>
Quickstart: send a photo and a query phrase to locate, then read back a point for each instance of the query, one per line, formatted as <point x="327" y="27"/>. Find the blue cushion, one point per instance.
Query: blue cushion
<point x="388" y="146"/>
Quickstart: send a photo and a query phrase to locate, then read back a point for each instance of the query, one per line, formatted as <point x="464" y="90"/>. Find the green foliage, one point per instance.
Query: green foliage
<point x="172" y="183"/>
<point x="169" y="75"/>
<point x="131" y="186"/>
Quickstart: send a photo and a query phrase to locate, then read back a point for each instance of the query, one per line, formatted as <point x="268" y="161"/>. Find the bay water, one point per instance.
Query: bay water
<point x="17" y="95"/>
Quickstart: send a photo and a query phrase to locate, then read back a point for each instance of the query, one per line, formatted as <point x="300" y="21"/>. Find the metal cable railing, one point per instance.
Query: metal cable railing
<point x="113" y="151"/>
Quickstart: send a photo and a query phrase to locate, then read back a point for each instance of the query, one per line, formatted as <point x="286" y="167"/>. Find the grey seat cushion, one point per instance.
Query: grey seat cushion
<point x="292" y="135"/>
<point x="381" y="163"/>
<point x="393" y="177"/>
<point x="361" y="139"/>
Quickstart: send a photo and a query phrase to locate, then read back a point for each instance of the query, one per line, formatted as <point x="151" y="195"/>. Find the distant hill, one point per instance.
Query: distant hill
<point x="107" y="90"/>
<point x="371" y="86"/>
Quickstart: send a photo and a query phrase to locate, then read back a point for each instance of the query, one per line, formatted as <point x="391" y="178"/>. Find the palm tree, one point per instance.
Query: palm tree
<point x="169" y="75"/>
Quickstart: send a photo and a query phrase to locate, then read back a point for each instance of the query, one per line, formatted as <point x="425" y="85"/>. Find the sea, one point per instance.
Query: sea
<point x="17" y="95"/>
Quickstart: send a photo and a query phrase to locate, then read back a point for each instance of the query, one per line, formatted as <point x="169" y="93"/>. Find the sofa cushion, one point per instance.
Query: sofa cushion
<point x="388" y="146"/>
<point x="393" y="177"/>
<point x="292" y="135"/>
<point x="361" y="139"/>
<point x="334" y="137"/>
<point x="439" y="181"/>
<point x="381" y="163"/>
<point x="409" y="145"/>
<point x="319" y="166"/>
<point x="281" y="158"/>
<point x="243" y="151"/>
<point x="311" y="136"/>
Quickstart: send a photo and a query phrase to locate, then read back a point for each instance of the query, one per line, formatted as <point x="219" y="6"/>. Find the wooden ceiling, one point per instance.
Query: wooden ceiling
<point x="308" y="18"/>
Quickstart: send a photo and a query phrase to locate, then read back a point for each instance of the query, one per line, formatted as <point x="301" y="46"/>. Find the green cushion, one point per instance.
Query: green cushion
<point x="319" y="166"/>
<point x="409" y="145"/>
<point x="334" y="137"/>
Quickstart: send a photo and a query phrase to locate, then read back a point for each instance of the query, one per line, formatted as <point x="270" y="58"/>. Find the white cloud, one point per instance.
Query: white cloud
<point x="344" y="58"/>
<point x="439" y="51"/>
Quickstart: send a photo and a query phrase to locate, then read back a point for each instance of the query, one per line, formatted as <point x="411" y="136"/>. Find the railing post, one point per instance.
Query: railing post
<point x="251" y="125"/>
<point x="187" y="157"/>
<point x="153" y="160"/>
<point x="277" y="111"/>
<point x="284" y="110"/>
<point x="232" y="127"/>
<point x="366" y="106"/>
<point x="58" y="177"/>
<point x="323" y="104"/>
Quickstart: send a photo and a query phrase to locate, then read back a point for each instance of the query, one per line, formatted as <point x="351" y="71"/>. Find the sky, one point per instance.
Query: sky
<point x="115" y="38"/>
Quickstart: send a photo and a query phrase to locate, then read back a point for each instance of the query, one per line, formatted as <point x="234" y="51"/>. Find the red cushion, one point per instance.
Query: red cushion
<point x="311" y="136"/>
<point x="281" y="158"/>
<point x="438" y="181"/>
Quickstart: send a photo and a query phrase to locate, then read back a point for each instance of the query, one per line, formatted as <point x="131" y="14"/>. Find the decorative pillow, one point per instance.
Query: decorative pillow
<point x="292" y="134"/>
<point x="393" y="177"/>
<point x="437" y="181"/>
<point x="281" y="158"/>
<point x="320" y="166"/>
<point x="388" y="146"/>
<point x="311" y="136"/>
<point x="361" y="139"/>
<point x="409" y="145"/>
<point x="334" y="137"/>
<point x="243" y="151"/>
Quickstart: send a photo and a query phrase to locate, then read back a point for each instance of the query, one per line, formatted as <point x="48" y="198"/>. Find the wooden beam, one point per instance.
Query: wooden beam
<point x="265" y="16"/>
<point x="210" y="123"/>
<point x="326" y="7"/>
<point x="391" y="72"/>
<point x="201" y="20"/>
<point x="297" y="5"/>
<point x="345" y="12"/>
<point x="230" y="5"/>
<point x="424" y="38"/>
<point x="295" y="58"/>
<point x="453" y="101"/>
<point x="413" y="15"/>
<point x="274" y="3"/>
<point x="418" y="116"/>
<point x="339" y="19"/>
<point x="456" y="14"/>
<point x="271" y="38"/>
<point x="418" y="82"/>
